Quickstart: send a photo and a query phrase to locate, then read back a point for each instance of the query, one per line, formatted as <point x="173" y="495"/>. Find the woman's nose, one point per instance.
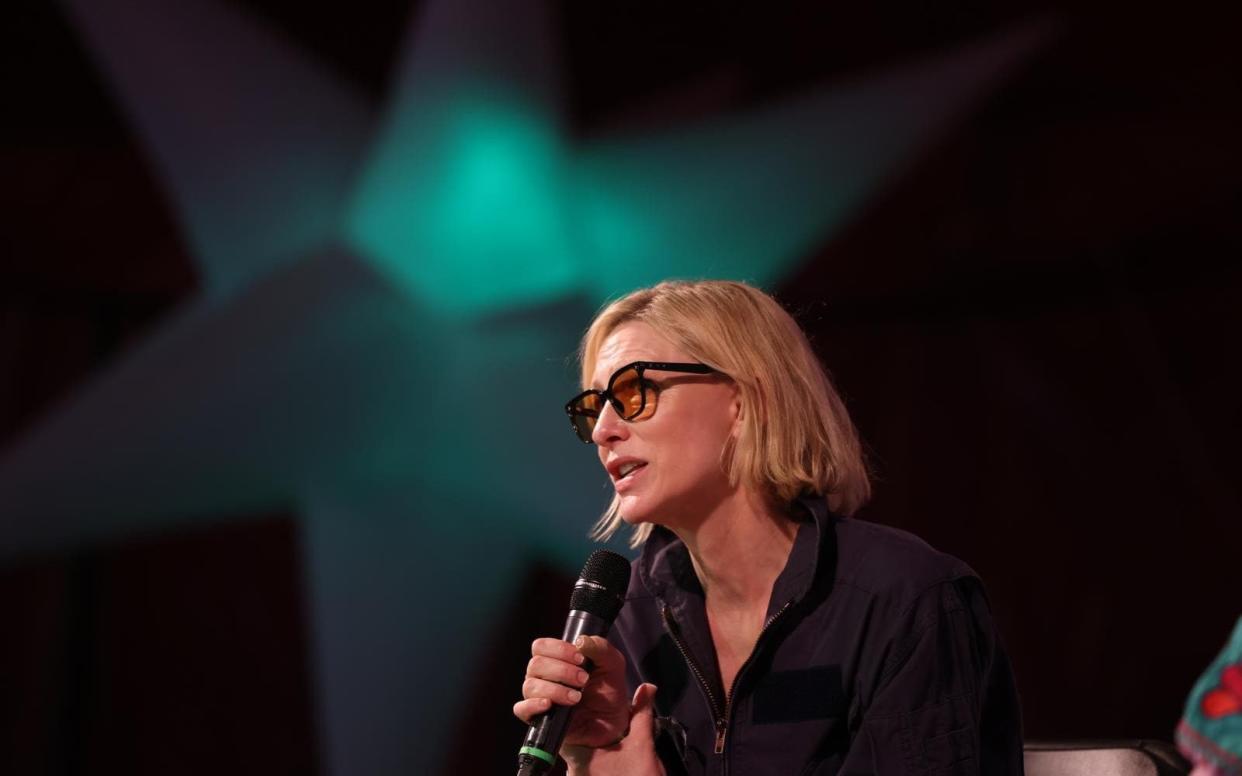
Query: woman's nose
<point x="609" y="426"/>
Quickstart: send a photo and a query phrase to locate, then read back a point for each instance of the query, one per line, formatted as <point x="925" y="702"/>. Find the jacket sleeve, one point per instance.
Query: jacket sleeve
<point x="944" y="700"/>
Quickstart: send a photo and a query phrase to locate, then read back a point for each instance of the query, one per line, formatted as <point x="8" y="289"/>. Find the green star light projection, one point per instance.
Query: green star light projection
<point x="390" y="294"/>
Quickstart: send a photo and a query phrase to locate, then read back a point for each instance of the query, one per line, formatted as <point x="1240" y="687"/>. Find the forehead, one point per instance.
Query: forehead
<point x="629" y="342"/>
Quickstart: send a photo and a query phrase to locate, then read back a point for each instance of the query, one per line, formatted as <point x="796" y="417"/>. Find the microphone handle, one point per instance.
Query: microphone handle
<point x="547" y="731"/>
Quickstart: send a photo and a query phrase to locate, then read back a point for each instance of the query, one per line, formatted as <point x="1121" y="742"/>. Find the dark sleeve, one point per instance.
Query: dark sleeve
<point x="944" y="701"/>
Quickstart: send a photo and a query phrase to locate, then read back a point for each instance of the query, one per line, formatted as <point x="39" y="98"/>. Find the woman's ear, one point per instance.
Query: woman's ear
<point x="739" y="412"/>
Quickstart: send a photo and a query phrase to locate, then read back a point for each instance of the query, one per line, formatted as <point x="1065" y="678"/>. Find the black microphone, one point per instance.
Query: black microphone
<point x="597" y="597"/>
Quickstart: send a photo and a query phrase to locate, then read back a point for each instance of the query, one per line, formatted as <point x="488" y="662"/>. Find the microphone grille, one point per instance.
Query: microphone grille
<point x="607" y="576"/>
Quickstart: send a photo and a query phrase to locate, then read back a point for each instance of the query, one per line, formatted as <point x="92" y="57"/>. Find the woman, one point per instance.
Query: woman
<point x="764" y="631"/>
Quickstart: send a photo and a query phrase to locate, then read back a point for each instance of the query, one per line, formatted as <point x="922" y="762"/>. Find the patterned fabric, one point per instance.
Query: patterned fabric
<point x="1210" y="732"/>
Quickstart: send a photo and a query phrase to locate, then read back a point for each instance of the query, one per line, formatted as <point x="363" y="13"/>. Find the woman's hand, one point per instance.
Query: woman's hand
<point x="633" y="756"/>
<point x="555" y="675"/>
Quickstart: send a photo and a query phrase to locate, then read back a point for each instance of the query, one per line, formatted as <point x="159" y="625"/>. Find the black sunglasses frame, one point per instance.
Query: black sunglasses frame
<point x="573" y="410"/>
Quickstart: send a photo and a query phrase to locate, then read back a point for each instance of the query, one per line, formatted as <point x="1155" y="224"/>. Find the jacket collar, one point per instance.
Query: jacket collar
<point x="665" y="569"/>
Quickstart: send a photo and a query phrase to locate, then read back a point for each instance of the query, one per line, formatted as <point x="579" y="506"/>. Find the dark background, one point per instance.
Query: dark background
<point x="1035" y="329"/>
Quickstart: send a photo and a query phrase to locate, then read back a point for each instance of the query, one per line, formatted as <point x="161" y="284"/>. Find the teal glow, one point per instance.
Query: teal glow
<point x="466" y="209"/>
<point x="472" y="205"/>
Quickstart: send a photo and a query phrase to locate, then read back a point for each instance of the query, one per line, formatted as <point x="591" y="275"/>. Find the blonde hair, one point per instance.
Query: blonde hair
<point x="796" y="437"/>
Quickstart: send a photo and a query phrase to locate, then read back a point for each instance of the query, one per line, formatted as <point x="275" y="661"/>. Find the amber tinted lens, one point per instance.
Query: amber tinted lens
<point x="628" y="389"/>
<point x="584" y="413"/>
<point x="584" y="425"/>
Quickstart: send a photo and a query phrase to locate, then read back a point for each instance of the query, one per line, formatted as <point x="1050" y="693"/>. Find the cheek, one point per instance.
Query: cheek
<point x="697" y="458"/>
<point x="708" y="431"/>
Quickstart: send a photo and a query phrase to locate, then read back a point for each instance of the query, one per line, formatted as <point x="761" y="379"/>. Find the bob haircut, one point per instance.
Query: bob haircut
<point x="796" y="437"/>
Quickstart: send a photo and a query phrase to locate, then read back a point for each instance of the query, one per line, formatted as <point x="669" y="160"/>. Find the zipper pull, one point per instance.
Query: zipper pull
<point x="720" y="737"/>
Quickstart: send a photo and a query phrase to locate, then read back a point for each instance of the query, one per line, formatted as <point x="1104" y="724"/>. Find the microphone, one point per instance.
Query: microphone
<point x="598" y="595"/>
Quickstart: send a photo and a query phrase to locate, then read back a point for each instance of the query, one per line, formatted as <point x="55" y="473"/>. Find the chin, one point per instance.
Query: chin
<point x="632" y="516"/>
<point x="646" y="516"/>
<point x="634" y="512"/>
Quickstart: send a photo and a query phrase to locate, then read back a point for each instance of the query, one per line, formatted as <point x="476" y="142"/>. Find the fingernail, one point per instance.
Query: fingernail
<point x="580" y="642"/>
<point x="582" y="677"/>
<point x="574" y="696"/>
<point x="579" y="658"/>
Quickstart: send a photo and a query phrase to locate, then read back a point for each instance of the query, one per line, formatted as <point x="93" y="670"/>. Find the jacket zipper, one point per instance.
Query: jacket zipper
<point x="723" y="717"/>
<point x="671" y="626"/>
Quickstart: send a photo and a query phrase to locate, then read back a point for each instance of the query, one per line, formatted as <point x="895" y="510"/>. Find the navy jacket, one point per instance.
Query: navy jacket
<point x="879" y="656"/>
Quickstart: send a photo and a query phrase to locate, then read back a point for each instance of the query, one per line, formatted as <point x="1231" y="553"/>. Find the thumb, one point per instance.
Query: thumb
<point x="600" y="652"/>
<point x="642" y="712"/>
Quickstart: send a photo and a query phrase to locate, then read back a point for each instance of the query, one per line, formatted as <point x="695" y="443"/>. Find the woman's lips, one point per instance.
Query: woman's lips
<point x="625" y="483"/>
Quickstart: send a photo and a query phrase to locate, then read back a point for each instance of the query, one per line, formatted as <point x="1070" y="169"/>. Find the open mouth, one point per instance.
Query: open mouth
<point x="628" y="469"/>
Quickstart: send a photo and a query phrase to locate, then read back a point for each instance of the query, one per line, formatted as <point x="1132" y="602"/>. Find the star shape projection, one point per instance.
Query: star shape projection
<point x="390" y="294"/>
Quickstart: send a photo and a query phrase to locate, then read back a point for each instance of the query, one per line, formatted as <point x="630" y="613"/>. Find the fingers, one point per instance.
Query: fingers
<point x="555" y="670"/>
<point x="601" y="652"/>
<point x="642" y="726"/>
<point x="555" y="648"/>
<point x="557" y="674"/>
<point x="528" y="709"/>
<point x="642" y="715"/>
<point x="594" y="648"/>
<point x="644" y="701"/>
<point x="533" y="687"/>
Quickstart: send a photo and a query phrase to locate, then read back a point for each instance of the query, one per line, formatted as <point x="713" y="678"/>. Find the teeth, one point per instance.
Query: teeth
<point x="625" y="470"/>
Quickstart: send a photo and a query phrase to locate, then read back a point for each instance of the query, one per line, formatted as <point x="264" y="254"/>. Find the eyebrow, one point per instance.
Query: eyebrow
<point x="608" y="375"/>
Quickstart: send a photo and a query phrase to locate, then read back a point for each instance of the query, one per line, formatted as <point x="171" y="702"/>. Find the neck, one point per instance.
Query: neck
<point x="739" y="550"/>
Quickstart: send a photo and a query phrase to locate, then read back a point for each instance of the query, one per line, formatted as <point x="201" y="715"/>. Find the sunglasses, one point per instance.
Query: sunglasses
<point x="631" y="394"/>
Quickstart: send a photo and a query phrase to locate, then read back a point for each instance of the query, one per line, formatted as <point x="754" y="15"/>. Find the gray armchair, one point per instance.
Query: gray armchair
<point x="1103" y="758"/>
